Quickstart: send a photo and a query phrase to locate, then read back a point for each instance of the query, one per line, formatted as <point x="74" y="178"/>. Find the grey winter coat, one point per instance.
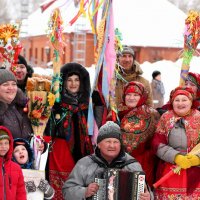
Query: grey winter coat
<point x="158" y="92"/>
<point x="13" y="117"/>
<point x="88" y="168"/>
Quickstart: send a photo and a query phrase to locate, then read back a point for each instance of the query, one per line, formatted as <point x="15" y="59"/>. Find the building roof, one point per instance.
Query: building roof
<point x="152" y="23"/>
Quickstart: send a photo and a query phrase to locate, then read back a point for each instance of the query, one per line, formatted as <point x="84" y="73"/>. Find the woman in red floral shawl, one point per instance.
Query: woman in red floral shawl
<point x="138" y="124"/>
<point x="178" y="132"/>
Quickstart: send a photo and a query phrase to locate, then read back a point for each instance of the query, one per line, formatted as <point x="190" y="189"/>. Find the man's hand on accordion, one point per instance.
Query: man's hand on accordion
<point x="146" y="195"/>
<point x="91" y="190"/>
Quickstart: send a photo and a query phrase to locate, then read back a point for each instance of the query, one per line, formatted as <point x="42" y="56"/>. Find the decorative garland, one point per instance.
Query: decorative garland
<point x="10" y="45"/>
<point x="191" y="40"/>
<point x="55" y="33"/>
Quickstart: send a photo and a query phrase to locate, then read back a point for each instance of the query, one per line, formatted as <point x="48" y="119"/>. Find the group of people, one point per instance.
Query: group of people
<point x="149" y="137"/>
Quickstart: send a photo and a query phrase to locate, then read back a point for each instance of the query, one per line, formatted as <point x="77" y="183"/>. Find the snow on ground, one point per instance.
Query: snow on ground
<point x="170" y="72"/>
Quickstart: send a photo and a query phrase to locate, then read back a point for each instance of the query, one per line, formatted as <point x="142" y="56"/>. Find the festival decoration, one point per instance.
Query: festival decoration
<point x="100" y="14"/>
<point x="55" y="33"/>
<point x="40" y="102"/>
<point x="105" y="55"/>
<point x="191" y="40"/>
<point x="10" y="46"/>
<point x="177" y="169"/>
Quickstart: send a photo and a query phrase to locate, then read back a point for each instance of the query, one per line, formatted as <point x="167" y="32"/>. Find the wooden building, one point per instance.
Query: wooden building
<point x="80" y="48"/>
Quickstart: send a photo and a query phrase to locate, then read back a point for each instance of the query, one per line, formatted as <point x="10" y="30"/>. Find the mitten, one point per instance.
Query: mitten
<point x="182" y="161"/>
<point x="30" y="186"/>
<point x="46" y="188"/>
<point x="193" y="159"/>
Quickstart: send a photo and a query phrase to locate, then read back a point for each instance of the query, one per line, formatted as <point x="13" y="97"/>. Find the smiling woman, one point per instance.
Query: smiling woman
<point x="177" y="134"/>
<point x="12" y="103"/>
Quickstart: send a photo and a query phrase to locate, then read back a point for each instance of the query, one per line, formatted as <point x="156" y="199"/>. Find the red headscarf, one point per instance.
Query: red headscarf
<point x="195" y="78"/>
<point x="180" y="90"/>
<point x="136" y="87"/>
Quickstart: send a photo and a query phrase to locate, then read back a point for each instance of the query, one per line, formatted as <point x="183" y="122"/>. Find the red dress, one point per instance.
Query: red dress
<point x="185" y="186"/>
<point x="138" y="126"/>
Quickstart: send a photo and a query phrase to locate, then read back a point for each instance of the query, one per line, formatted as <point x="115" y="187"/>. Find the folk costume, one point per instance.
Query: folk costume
<point x="177" y="135"/>
<point x="70" y="139"/>
<point x="138" y="125"/>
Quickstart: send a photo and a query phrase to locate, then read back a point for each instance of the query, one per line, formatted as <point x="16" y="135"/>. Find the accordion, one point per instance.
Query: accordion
<point x="117" y="184"/>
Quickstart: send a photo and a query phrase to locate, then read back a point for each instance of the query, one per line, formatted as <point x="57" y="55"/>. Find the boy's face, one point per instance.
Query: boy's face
<point x="4" y="147"/>
<point x="21" y="154"/>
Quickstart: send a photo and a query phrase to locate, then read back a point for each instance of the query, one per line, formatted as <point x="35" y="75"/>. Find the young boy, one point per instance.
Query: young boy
<point x="24" y="156"/>
<point x="11" y="179"/>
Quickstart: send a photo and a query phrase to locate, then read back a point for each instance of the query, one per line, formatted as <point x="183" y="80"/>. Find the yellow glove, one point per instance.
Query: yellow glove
<point x="182" y="161"/>
<point x="193" y="159"/>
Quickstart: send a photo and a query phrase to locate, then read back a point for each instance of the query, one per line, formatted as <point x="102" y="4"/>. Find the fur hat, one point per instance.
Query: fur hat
<point x="109" y="130"/>
<point x="155" y="73"/>
<point x="6" y="75"/>
<point x="4" y="135"/>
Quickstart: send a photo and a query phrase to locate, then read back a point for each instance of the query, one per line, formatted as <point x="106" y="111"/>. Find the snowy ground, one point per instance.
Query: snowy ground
<point x="170" y="72"/>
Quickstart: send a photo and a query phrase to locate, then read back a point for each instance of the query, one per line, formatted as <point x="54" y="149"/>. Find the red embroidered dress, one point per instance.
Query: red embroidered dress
<point x="185" y="186"/>
<point x="138" y="127"/>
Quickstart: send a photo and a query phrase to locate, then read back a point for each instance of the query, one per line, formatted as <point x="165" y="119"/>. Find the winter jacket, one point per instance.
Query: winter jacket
<point x="12" y="185"/>
<point x="14" y="118"/>
<point x="135" y="75"/>
<point x="158" y="92"/>
<point x="90" y="167"/>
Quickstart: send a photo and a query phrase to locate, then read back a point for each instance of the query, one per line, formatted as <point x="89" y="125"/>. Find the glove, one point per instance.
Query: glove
<point x="193" y="159"/>
<point x="30" y="186"/>
<point x="182" y="161"/>
<point x="46" y="188"/>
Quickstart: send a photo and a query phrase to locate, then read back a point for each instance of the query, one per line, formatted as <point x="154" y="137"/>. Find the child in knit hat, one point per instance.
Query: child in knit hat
<point x="12" y="178"/>
<point x="24" y="156"/>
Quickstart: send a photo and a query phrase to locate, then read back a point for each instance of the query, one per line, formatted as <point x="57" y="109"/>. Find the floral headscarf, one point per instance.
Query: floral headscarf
<point x="136" y="87"/>
<point x="182" y="91"/>
<point x="195" y="78"/>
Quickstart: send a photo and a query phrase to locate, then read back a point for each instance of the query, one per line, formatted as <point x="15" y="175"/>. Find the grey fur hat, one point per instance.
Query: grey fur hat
<point x="6" y="75"/>
<point x="109" y="130"/>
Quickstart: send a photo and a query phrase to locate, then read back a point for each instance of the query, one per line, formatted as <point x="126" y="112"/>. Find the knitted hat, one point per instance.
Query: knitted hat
<point x="109" y="130"/>
<point x="22" y="60"/>
<point x="6" y="75"/>
<point x="4" y="135"/>
<point x="128" y="50"/>
<point x="155" y="73"/>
